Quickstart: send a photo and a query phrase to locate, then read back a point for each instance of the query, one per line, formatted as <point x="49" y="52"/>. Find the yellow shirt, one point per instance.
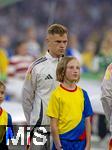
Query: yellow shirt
<point x="67" y="107"/>
<point x="3" y="124"/>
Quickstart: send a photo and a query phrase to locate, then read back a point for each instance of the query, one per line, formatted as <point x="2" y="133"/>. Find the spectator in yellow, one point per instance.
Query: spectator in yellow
<point x="3" y="60"/>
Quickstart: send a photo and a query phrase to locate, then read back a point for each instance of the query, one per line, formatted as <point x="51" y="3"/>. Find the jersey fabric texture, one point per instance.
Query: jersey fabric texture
<point x="39" y="82"/>
<point x="70" y="108"/>
<point x="106" y="96"/>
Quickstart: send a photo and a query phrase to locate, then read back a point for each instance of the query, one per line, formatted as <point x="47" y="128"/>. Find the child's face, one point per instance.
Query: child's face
<point x="2" y="94"/>
<point x="73" y="71"/>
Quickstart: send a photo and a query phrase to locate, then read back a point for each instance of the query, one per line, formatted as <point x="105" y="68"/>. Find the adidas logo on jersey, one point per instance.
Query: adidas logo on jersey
<point x="48" y="77"/>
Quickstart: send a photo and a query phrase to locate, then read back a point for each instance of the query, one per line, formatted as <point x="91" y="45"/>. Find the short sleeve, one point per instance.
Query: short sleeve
<point x="53" y="106"/>
<point x="10" y="131"/>
<point x="87" y="105"/>
<point x="9" y="120"/>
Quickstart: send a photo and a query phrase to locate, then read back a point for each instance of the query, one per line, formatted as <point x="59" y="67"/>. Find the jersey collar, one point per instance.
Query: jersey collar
<point x="48" y="56"/>
<point x="68" y="89"/>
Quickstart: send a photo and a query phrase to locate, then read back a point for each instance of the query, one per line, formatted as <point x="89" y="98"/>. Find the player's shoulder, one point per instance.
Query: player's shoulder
<point x="6" y="112"/>
<point x="108" y="72"/>
<point x="37" y="62"/>
<point x="81" y="89"/>
<point x="56" y="91"/>
<point x="84" y="91"/>
<point x="109" y="67"/>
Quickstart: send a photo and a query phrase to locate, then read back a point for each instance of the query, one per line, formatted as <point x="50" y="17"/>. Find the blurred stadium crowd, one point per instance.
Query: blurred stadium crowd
<point x="23" y="26"/>
<point x="24" y="23"/>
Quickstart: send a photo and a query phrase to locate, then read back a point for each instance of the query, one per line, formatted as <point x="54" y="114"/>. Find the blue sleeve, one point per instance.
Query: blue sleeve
<point x="9" y="120"/>
<point x="10" y="131"/>
<point x="87" y="105"/>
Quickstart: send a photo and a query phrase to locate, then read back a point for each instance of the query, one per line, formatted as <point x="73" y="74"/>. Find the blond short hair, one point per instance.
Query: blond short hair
<point x="61" y="68"/>
<point x="57" y="29"/>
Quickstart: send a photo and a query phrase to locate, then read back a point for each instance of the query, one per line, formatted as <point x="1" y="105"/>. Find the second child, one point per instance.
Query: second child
<point x="6" y="128"/>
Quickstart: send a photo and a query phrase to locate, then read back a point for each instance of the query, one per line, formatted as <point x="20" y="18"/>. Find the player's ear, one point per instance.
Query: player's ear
<point x="47" y="38"/>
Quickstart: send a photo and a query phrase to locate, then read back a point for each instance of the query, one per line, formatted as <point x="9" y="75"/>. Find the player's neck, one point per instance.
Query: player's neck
<point x="54" y="55"/>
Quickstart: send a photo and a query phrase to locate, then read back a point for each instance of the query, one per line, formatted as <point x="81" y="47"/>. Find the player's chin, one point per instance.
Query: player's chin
<point x="61" y="51"/>
<point x="60" y="55"/>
